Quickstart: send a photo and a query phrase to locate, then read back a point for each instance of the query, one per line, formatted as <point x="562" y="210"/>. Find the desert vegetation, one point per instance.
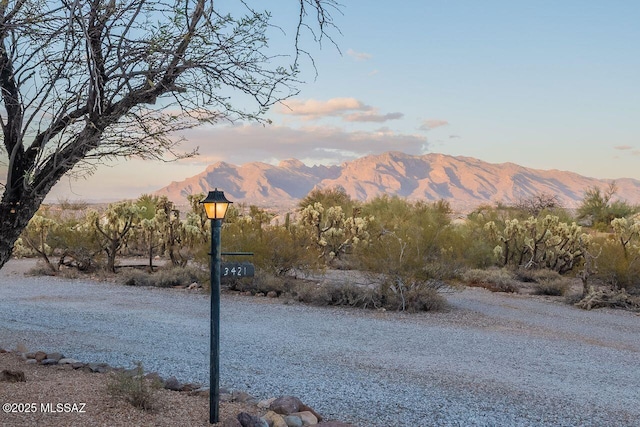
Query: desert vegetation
<point x="406" y="251"/>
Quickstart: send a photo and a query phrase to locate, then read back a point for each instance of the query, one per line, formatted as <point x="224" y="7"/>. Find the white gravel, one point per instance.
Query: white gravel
<point x="492" y="360"/>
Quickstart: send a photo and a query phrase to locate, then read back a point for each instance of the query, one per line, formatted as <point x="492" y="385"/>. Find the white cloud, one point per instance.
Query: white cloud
<point x="359" y="56"/>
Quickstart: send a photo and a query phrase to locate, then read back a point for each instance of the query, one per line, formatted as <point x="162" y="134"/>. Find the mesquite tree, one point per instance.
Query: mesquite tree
<point x="86" y="80"/>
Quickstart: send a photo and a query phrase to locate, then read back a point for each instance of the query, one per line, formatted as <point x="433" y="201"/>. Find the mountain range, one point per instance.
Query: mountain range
<point x="463" y="181"/>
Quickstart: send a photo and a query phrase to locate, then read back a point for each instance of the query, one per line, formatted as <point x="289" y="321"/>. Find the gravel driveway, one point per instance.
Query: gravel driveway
<point x="492" y="360"/>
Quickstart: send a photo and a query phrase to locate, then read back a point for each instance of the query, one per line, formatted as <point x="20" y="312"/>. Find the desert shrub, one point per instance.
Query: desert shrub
<point x="413" y="298"/>
<point x="133" y="387"/>
<point x="263" y="282"/>
<point x="553" y="287"/>
<point x="495" y="280"/>
<point x="381" y="296"/>
<point x="537" y="276"/>
<point x="176" y="276"/>
<point x="332" y="294"/>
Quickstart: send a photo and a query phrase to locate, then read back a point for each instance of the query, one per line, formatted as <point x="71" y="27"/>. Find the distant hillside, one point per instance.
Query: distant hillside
<point x="464" y="181"/>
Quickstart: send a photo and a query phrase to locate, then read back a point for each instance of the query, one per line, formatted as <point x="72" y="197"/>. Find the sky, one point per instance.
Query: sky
<point x="544" y="84"/>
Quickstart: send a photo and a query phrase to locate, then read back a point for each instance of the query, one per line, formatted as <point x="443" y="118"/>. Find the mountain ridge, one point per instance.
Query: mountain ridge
<point x="465" y="182"/>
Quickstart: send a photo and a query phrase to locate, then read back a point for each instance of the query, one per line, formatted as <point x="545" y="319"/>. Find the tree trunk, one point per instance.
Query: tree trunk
<point x="15" y="213"/>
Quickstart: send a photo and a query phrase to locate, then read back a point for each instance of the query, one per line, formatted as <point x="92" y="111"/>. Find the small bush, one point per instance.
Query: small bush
<point x="554" y="287"/>
<point x="384" y="296"/>
<point x="176" y="276"/>
<point x="537" y="275"/>
<point x="494" y="280"/>
<point x="263" y="282"/>
<point x="133" y="387"/>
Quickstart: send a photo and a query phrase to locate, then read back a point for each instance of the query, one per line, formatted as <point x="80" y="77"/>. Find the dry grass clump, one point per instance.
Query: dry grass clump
<point x="553" y="287"/>
<point x="134" y="387"/>
<point x="495" y="280"/>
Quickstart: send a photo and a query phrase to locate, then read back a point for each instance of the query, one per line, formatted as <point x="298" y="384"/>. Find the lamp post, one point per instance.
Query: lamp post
<point x="215" y="204"/>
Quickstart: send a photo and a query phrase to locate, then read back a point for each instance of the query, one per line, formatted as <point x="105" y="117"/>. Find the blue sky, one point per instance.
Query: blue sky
<point x="545" y="84"/>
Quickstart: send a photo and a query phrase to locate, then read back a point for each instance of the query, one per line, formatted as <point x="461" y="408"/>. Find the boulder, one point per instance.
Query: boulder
<point x="172" y="383"/>
<point x="264" y="404"/>
<point x="248" y="420"/>
<point x="40" y="356"/>
<point x="286" y="405"/>
<point x="274" y="420"/>
<point x="308" y="419"/>
<point x="55" y="356"/>
<point x="293" y="421"/>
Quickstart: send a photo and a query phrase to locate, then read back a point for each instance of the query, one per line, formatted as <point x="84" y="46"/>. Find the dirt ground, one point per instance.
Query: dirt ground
<point x="86" y="401"/>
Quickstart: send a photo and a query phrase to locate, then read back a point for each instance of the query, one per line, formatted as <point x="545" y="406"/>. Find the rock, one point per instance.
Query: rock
<point x="248" y="420"/>
<point x="286" y="405"/>
<point x="242" y="397"/>
<point x="246" y="293"/>
<point x="40" y="356"/>
<point x="189" y="387"/>
<point x="172" y="383"/>
<point x="2" y="350"/>
<point x="264" y="404"/>
<point x="274" y="420"/>
<point x="304" y="407"/>
<point x="260" y="294"/>
<point x="293" y="421"/>
<point x="77" y="365"/>
<point x="308" y="419"/>
<point x="30" y="355"/>
<point x="99" y="368"/>
<point x="193" y="286"/>
<point x="67" y="361"/>
<point x="31" y="361"/>
<point x="272" y="294"/>
<point x="49" y="362"/>
<point x="231" y="422"/>
<point x="12" y="376"/>
<point x="55" y="356"/>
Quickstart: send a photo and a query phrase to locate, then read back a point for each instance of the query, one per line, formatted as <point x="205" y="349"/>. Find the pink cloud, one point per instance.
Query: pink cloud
<point x="371" y="117"/>
<point x="314" y="109"/>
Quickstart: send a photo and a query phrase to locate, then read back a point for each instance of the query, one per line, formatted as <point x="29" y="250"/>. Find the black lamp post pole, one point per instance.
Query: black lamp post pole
<point x="214" y="380"/>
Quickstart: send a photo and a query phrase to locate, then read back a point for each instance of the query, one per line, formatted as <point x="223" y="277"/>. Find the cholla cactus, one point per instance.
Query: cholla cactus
<point x="112" y="227"/>
<point x="627" y="232"/>
<point x="539" y="243"/>
<point x="335" y="233"/>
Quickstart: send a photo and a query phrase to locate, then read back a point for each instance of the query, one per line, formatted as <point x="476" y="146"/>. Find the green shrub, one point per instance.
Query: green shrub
<point x="133" y="387"/>
<point x="493" y="279"/>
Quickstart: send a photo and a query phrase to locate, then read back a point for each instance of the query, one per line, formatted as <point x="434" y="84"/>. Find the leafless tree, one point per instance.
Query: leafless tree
<point x="82" y="81"/>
